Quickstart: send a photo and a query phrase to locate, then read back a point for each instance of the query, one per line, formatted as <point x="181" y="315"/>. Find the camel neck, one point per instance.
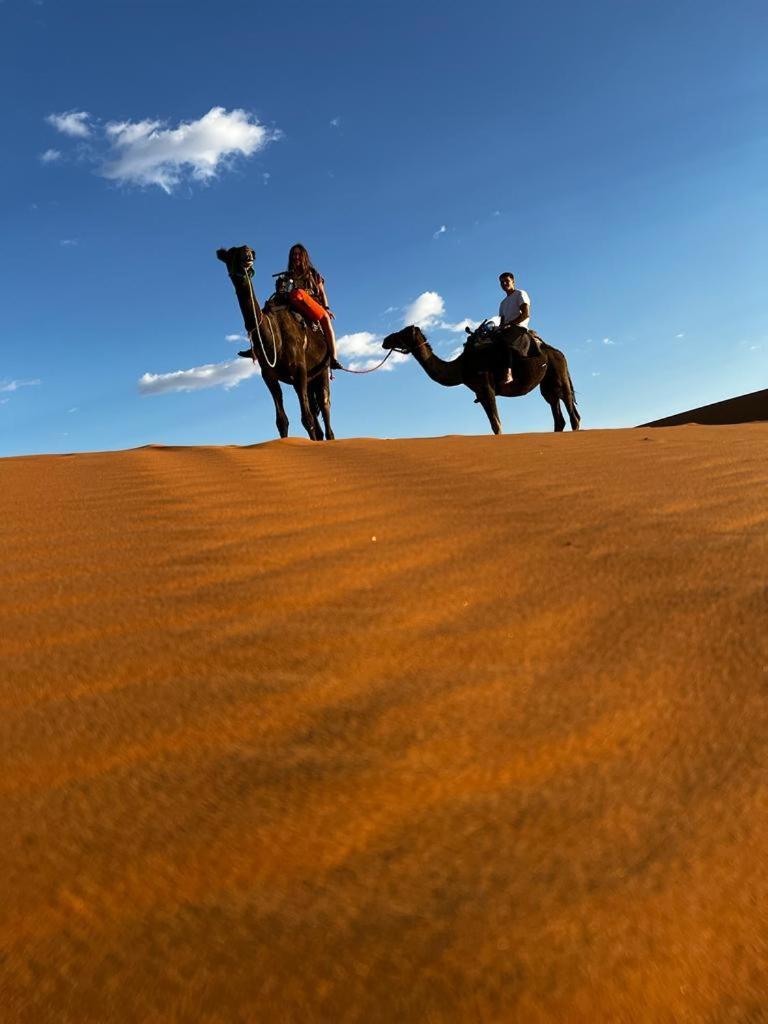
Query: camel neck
<point x="447" y="373"/>
<point x="249" y="306"/>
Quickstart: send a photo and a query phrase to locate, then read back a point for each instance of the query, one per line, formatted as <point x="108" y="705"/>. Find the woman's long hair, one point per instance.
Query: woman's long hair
<point x="299" y="264"/>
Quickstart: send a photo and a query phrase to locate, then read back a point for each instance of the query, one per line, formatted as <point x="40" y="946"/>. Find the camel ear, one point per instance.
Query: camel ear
<point x="222" y="254"/>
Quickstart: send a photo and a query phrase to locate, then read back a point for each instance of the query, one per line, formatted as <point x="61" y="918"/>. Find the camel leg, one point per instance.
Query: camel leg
<point x="553" y="400"/>
<point x="276" y="391"/>
<point x="307" y="417"/>
<point x="487" y="398"/>
<point x="569" y="400"/>
<point x="314" y="404"/>
<point x="557" y="387"/>
<point x="323" y="392"/>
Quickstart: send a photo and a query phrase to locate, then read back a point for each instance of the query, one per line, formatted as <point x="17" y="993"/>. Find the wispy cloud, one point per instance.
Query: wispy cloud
<point x="335" y="122"/>
<point x="440" y="231"/>
<point x="14" y="385"/>
<point x="74" y="123"/>
<point x="50" y="156"/>
<point x="608" y="341"/>
<point x="680" y="335"/>
<point x="152" y="152"/>
<point x="213" y="375"/>
<point x="235" y="337"/>
<point x="362" y="351"/>
<point x="425" y="310"/>
<point x="68" y="242"/>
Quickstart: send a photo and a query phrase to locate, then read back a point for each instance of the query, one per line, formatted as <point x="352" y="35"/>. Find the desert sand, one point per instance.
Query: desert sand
<point x="440" y="730"/>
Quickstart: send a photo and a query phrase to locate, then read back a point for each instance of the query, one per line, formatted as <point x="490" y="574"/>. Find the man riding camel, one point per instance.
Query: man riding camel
<point x="514" y="312"/>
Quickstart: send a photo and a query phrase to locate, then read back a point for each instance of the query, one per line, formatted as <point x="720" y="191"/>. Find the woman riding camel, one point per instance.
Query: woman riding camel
<point x="306" y="279"/>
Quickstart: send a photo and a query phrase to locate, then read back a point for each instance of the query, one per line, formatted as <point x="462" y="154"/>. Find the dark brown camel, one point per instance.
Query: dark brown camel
<point x="297" y="354"/>
<point x="549" y="371"/>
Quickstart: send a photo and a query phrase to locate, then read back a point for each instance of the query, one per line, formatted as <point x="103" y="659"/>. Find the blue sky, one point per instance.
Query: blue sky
<point x="613" y="155"/>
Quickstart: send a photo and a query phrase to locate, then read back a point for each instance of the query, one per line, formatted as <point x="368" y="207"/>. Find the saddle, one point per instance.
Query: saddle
<point x="488" y="345"/>
<point x="277" y="303"/>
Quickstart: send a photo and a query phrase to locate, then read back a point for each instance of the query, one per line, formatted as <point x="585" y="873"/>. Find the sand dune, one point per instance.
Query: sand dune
<point x="749" y="408"/>
<point x="458" y="729"/>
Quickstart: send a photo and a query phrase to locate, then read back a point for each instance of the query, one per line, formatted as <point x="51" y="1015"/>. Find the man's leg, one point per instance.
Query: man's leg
<point x="513" y="339"/>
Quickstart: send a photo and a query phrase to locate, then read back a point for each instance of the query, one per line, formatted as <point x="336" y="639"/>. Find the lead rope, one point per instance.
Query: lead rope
<point x="272" y="364"/>
<point x="372" y="368"/>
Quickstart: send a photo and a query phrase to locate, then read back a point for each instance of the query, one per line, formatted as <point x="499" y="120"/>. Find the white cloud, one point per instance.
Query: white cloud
<point x="425" y="310"/>
<point x="14" y="385"/>
<point x="74" y="123"/>
<point x="362" y="351"/>
<point x="335" y="122"/>
<point x="460" y="326"/>
<point x="235" y="337"/>
<point x="680" y="335"/>
<point x="147" y="153"/>
<point x="440" y="231"/>
<point x="50" y="156"/>
<point x="607" y="341"/>
<point x="68" y="242"/>
<point x="213" y="375"/>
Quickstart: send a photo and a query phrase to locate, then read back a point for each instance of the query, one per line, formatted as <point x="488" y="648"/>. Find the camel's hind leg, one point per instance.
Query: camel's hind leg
<point x="307" y="416"/>
<point x="281" y="418"/>
<point x="570" y="404"/>
<point x="314" y="405"/>
<point x="322" y="392"/>
<point x="556" y="388"/>
<point x="554" y="404"/>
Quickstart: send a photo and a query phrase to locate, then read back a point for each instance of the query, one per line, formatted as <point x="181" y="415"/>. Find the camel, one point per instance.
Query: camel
<point x="549" y="371"/>
<point x="287" y="350"/>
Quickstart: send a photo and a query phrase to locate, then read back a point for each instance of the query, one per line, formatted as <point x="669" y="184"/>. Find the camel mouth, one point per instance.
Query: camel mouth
<point x="390" y="344"/>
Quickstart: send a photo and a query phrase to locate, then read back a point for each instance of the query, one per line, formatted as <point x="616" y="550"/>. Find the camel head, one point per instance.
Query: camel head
<point x="404" y="341"/>
<point x="238" y="260"/>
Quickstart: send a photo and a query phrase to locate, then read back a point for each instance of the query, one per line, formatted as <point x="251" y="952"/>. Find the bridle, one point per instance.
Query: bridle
<point x="257" y="329"/>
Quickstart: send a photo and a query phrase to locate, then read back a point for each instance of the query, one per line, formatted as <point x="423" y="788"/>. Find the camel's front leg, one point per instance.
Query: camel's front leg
<point x="487" y="398"/>
<point x="277" y="397"/>
<point x="307" y="416"/>
<point x="323" y="393"/>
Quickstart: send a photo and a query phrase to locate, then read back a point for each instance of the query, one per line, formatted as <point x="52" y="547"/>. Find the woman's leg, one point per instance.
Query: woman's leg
<point x="330" y="340"/>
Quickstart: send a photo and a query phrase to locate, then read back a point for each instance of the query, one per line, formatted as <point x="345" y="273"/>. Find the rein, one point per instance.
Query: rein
<point x="257" y="330"/>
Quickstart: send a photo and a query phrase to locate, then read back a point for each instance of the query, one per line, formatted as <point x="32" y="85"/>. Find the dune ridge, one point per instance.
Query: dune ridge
<point x="464" y="728"/>
<point x="749" y="408"/>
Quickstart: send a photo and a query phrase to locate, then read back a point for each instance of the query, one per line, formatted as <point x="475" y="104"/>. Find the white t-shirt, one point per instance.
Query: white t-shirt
<point x="511" y="305"/>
